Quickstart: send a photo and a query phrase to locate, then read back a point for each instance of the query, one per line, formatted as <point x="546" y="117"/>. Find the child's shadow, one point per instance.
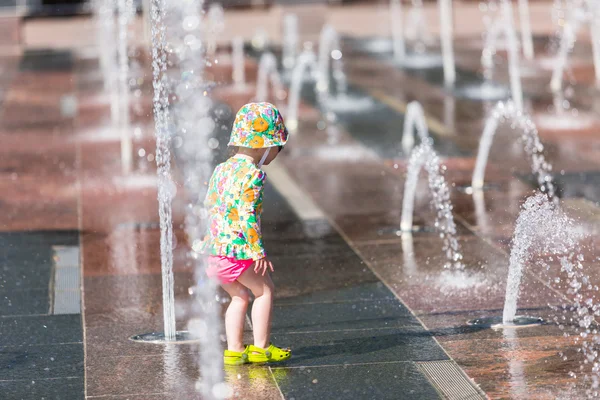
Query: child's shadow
<point x="411" y="345"/>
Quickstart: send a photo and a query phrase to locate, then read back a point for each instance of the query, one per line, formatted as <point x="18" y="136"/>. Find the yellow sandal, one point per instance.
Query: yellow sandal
<point x="271" y="354"/>
<point x="235" y="357"/>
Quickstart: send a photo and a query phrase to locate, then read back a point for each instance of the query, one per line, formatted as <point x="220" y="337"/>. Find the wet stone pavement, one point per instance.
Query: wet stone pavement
<point x="369" y="314"/>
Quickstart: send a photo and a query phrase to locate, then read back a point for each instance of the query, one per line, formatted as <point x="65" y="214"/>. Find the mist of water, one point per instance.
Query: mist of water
<point x="424" y="157"/>
<point x="579" y="13"/>
<point x="105" y="23"/>
<point x="503" y="25"/>
<point x="330" y="49"/>
<point x="267" y="72"/>
<point x="238" y="63"/>
<point x="126" y="14"/>
<point x="193" y="128"/>
<point x="290" y="41"/>
<point x="526" y="36"/>
<point x="416" y="28"/>
<point x="508" y="112"/>
<point x="215" y="27"/>
<point x="513" y="55"/>
<point x="307" y="62"/>
<point x="397" y="27"/>
<point x="446" y="39"/>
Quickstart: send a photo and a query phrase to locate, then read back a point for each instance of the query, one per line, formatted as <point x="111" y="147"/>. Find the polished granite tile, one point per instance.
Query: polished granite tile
<point x="515" y="367"/>
<point x="576" y="185"/>
<point x="25" y="269"/>
<point x="252" y="382"/>
<point x="320" y="249"/>
<point x="360" y="292"/>
<point x="40" y="330"/>
<point x="374" y="226"/>
<point x="45" y="60"/>
<point x="342" y="189"/>
<point x="375" y="381"/>
<point x="114" y="292"/>
<point x="47" y="361"/>
<point x="304" y="275"/>
<point x="322" y="317"/>
<point x="27" y="212"/>
<point x="107" y="334"/>
<point x="42" y="237"/>
<point x="24" y="302"/>
<point x="131" y="248"/>
<point x="172" y="372"/>
<point x="360" y="346"/>
<point x="455" y="325"/>
<point x="68" y="388"/>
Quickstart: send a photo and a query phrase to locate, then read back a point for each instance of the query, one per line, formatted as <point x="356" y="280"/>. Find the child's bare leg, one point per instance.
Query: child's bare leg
<point x="236" y="315"/>
<point x="262" y="288"/>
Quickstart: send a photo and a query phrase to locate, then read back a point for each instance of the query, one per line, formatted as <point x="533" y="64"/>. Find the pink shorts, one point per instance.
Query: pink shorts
<point x="226" y="269"/>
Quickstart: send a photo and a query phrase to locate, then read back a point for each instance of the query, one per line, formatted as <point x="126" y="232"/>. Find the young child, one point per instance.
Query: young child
<point x="234" y="241"/>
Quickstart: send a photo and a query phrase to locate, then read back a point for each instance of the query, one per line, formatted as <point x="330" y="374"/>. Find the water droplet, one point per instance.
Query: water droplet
<point x="213" y="143"/>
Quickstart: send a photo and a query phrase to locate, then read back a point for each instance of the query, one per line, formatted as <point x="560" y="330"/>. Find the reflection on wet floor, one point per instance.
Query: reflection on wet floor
<point x="362" y="306"/>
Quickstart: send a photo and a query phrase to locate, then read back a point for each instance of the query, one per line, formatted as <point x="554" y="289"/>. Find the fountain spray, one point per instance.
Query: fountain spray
<point x="396" y="25"/>
<point x="267" y="71"/>
<point x="238" y="63"/>
<point x="290" y="41"/>
<point x="446" y="38"/>
<point x="529" y="135"/>
<point x="423" y="156"/>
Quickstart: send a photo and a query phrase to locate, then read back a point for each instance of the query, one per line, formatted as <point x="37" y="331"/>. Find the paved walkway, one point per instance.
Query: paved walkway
<point x="365" y="311"/>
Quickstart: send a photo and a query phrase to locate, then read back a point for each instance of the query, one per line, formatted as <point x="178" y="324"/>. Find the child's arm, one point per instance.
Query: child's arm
<point x="252" y="194"/>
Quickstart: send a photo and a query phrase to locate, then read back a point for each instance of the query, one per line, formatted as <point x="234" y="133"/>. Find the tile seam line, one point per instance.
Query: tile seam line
<point x="350" y="364"/>
<point x="331" y="302"/>
<point x="368" y="264"/>
<point x="348" y="330"/>
<point x="78" y="163"/>
<point x="100" y="396"/>
<point x="40" y="379"/>
<point x="38" y="344"/>
<point x="276" y="384"/>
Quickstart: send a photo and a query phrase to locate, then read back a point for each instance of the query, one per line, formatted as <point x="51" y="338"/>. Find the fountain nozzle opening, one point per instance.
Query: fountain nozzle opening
<point x="520" y="321"/>
<point x="181" y="337"/>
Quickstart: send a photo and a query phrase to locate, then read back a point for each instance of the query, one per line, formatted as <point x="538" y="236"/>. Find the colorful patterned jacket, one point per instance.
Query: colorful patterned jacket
<point x="234" y="202"/>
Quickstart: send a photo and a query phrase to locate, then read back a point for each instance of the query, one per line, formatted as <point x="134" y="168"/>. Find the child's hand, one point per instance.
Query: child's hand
<point x="263" y="265"/>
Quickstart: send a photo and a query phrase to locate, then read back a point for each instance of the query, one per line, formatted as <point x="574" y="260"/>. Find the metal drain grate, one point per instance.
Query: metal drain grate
<point x="66" y="295"/>
<point x="450" y="381"/>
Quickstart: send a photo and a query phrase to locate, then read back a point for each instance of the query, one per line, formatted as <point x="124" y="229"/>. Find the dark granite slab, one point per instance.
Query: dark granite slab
<point x="397" y="380"/>
<point x="46" y="60"/>
<point x="371" y="291"/>
<point x="40" y="388"/>
<point x="360" y="346"/>
<point x="49" y="361"/>
<point x="584" y="184"/>
<point x="315" y="317"/>
<point x="24" y="302"/>
<point x="40" y="330"/>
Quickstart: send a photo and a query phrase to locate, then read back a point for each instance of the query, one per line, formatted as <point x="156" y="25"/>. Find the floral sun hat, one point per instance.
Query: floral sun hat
<point x="258" y="126"/>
